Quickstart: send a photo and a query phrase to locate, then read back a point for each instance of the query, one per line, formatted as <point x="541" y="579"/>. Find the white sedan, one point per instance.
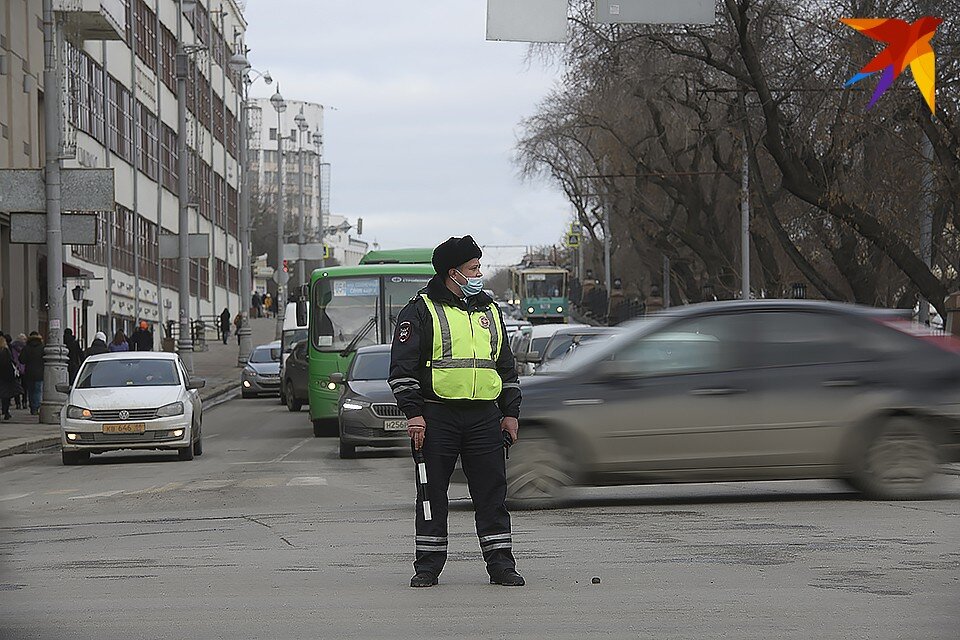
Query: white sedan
<point x="131" y="400"/>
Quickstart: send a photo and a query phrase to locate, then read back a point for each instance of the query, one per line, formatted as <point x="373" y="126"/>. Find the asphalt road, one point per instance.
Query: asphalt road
<point x="269" y="535"/>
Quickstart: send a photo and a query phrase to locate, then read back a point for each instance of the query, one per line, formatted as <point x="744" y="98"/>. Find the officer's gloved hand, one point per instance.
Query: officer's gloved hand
<point x="511" y="426"/>
<point x="417" y="430"/>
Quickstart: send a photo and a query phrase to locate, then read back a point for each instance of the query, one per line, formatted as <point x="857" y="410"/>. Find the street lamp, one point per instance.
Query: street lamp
<point x="281" y="276"/>
<point x="302" y="126"/>
<point x="317" y="139"/>
<point x="239" y="63"/>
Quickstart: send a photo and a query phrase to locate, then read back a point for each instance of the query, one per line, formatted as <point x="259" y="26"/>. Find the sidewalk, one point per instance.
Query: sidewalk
<point x="217" y="365"/>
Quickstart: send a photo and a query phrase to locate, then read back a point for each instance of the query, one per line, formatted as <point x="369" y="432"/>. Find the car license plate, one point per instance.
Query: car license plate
<point x="136" y="427"/>
<point x="394" y="425"/>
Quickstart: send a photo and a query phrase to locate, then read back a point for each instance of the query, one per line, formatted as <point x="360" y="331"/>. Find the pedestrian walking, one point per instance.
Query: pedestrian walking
<point x="119" y="342"/>
<point x="257" y="304"/>
<point x="74" y="354"/>
<point x="142" y="338"/>
<point x="9" y="379"/>
<point x="99" y="345"/>
<point x="32" y="360"/>
<point x="455" y="381"/>
<point x="225" y="324"/>
<point x="267" y="304"/>
<point x="16" y="348"/>
<point x="237" y="323"/>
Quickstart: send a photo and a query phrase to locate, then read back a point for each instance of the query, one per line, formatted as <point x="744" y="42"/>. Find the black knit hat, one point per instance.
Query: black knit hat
<point x="453" y="253"/>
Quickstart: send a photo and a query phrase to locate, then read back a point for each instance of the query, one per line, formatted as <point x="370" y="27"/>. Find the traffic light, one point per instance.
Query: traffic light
<point x="286" y="267"/>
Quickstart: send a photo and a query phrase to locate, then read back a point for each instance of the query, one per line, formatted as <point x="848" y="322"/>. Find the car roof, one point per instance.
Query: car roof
<point x="374" y="348"/>
<point x="269" y="345"/>
<point x="547" y="330"/>
<point x="133" y="355"/>
<point x="578" y="330"/>
<point x="822" y="306"/>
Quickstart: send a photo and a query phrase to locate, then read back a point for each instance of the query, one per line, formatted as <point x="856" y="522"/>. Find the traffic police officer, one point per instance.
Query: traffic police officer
<point x="454" y="378"/>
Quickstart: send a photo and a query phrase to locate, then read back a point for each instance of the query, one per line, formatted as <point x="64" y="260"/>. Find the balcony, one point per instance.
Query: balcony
<point x="92" y="19"/>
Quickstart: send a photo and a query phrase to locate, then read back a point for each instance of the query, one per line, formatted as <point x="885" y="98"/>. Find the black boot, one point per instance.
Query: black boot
<point x="423" y="579"/>
<point x="507" y="578"/>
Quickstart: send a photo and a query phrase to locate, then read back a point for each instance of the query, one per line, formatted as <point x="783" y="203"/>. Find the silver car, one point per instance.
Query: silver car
<point x="261" y="375"/>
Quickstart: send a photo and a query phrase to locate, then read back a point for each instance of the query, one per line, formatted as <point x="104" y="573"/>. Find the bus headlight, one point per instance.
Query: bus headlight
<point x="559" y="309"/>
<point x="530" y="309"/>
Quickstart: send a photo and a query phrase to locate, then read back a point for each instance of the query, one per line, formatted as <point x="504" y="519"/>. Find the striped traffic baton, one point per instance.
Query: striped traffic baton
<point x="421" y="481"/>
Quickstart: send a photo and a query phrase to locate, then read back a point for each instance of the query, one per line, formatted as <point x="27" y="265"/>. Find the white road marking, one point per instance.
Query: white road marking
<point x="104" y="494"/>
<point x="297" y="446"/>
<point x="307" y="481"/>
<point x="204" y="485"/>
<point x="15" y="496"/>
<point x="260" y="483"/>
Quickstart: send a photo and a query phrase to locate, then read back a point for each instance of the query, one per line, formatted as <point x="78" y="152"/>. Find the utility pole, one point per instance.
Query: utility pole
<point x="281" y="276"/>
<point x="184" y="340"/>
<point x="54" y="356"/>
<point x="318" y="146"/>
<point x="606" y="234"/>
<point x="302" y="127"/>
<point x="926" y="222"/>
<point x="246" y="277"/>
<point x="745" y="206"/>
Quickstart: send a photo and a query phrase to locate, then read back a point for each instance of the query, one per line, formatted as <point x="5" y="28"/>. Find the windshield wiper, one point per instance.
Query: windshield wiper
<point x="370" y="324"/>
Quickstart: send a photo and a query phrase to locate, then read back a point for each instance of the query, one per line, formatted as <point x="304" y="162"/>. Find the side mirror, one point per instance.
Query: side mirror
<point x="336" y="378"/>
<point x="302" y="312"/>
<point x="529" y="356"/>
<point x="63" y="387"/>
<point x="197" y="383"/>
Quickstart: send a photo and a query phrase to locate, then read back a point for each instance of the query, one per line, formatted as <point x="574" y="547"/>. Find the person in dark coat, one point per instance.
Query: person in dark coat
<point x="9" y="383"/>
<point x="16" y="348"/>
<point x="99" y="345"/>
<point x="142" y="338"/>
<point x="225" y="324"/>
<point x="32" y="360"/>
<point x="119" y="342"/>
<point x="74" y="354"/>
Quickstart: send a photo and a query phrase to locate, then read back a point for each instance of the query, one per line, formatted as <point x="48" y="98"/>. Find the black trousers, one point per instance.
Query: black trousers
<point x="470" y="430"/>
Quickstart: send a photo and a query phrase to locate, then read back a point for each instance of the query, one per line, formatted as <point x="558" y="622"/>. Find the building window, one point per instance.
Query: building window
<point x="168" y="58"/>
<point x="145" y="34"/>
<point x="273" y="133"/>
<point x="120" y="117"/>
<point x="149" y="142"/>
<point x="168" y="158"/>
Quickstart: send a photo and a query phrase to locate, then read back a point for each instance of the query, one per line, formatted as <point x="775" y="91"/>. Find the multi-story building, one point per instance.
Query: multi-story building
<point x="121" y="112"/>
<point x="304" y="146"/>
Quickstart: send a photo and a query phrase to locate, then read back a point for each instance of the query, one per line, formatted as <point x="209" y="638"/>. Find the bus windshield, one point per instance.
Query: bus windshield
<point x="544" y="285"/>
<point x="345" y="309"/>
<point x="397" y="292"/>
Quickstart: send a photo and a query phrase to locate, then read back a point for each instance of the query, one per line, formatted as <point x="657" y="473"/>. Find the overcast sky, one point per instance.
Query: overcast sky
<point x="427" y="115"/>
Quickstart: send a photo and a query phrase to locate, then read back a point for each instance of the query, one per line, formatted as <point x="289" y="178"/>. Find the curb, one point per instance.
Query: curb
<point x="951" y="469"/>
<point x="30" y="445"/>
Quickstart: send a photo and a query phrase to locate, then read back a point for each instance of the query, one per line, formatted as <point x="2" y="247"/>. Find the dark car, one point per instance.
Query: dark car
<point x="295" y="375"/>
<point x="369" y="415"/>
<point x="761" y="390"/>
<point x="261" y="375"/>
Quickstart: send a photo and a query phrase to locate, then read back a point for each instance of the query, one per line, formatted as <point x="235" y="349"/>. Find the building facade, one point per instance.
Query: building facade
<point x="120" y="111"/>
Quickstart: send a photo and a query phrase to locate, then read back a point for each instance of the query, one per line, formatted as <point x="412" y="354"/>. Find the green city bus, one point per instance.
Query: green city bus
<point x="353" y="307"/>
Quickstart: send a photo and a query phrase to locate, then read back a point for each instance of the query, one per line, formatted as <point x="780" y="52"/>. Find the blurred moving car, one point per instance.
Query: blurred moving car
<point x="530" y="341"/>
<point x="566" y="341"/>
<point x="131" y="400"/>
<point x="735" y="391"/>
<point x="262" y="371"/>
<point x="369" y="415"/>
<point x="295" y="374"/>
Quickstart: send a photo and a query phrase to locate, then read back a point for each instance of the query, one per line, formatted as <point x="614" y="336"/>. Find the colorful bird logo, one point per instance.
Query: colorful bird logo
<point x="908" y="44"/>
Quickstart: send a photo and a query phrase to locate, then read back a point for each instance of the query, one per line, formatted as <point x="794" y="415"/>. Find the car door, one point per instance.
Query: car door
<point x="299" y="360"/>
<point x="192" y="394"/>
<point x="678" y="399"/>
<point x="821" y="372"/>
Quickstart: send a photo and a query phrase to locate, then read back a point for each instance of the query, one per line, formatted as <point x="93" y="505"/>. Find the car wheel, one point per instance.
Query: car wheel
<point x="347" y="451"/>
<point x="185" y="453"/>
<point x="198" y="446"/>
<point x="293" y="404"/>
<point x="899" y="462"/>
<point x="319" y="429"/>
<point x="538" y="473"/>
<point x="71" y="458"/>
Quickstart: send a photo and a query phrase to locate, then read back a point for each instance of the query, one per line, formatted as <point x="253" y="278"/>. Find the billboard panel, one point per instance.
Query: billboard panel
<point x="527" y="20"/>
<point x="656" y="11"/>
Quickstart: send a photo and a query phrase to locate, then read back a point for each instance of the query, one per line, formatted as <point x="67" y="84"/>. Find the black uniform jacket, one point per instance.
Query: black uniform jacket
<point x="413" y="347"/>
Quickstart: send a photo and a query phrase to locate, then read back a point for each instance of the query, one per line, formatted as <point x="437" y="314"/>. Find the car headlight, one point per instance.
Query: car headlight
<point x="174" y="409"/>
<point x="78" y="413"/>
<point x="249" y="372"/>
<point x="354" y="405"/>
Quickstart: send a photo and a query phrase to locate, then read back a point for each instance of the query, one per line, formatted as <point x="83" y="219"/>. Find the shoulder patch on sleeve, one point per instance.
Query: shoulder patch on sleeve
<point x="403" y="331"/>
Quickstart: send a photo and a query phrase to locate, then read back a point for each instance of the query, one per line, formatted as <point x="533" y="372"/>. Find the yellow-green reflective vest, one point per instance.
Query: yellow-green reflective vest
<point x="466" y="346"/>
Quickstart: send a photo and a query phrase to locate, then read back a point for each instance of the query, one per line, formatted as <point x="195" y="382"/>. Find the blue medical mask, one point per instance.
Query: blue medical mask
<point x="473" y="286"/>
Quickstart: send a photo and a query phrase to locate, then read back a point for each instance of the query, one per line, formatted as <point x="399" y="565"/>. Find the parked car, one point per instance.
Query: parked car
<point x="736" y="391"/>
<point x="261" y="375"/>
<point x="131" y="400"/>
<point x="295" y="374"/>
<point x="368" y="412"/>
<point x="529" y="343"/>
<point x="567" y="340"/>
